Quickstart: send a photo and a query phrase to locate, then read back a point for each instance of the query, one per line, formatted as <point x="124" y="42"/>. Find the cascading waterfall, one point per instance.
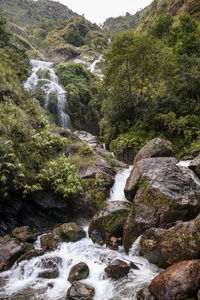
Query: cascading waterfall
<point x="53" y="90"/>
<point x="26" y="273"/>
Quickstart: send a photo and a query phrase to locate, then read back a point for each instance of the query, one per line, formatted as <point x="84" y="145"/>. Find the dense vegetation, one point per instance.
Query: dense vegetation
<point x="151" y="85"/>
<point x="82" y="87"/>
<point x="32" y="155"/>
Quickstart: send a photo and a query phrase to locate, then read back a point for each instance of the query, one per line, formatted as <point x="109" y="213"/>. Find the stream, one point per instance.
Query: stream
<point x="25" y="276"/>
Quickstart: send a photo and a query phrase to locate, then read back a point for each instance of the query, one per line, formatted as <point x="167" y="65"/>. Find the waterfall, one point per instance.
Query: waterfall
<point x="93" y="65"/>
<point x="44" y="78"/>
<point x="117" y="191"/>
<point x="25" y="275"/>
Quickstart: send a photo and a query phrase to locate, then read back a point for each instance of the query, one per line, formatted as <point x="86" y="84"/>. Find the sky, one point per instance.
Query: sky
<point x="98" y="11"/>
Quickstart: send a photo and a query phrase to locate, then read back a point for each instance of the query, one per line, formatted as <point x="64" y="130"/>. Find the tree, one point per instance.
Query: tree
<point x="134" y="63"/>
<point x="162" y="26"/>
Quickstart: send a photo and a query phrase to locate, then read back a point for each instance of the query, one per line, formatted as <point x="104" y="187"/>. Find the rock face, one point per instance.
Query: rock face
<point x="81" y="291"/>
<point x="195" y="165"/>
<point x="69" y="232"/>
<point x="10" y="250"/>
<point x="78" y="272"/>
<point x="155" y="148"/>
<point x="25" y="234"/>
<point x="117" y="268"/>
<point x="109" y="220"/>
<point x="165" y="247"/>
<point x="162" y="193"/>
<point x="178" y="282"/>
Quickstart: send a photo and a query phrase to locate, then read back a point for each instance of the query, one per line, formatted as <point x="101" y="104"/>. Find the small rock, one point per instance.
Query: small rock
<point x="80" y="291"/>
<point x="50" y="241"/>
<point x="117" y="268"/>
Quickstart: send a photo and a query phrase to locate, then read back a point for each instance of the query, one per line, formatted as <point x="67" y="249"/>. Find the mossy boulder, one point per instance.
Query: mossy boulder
<point x="162" y="193"/>
<point x="79" y="272"/>
<point x="165" y="247"/>
<point x="109" y="220"/>
<point x="69" y="232"/>
<point x="25" y="233"/>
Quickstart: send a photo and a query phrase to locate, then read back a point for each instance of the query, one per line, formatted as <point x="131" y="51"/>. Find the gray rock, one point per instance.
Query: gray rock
<point x="162" y="193"/>
<point x="10" y="250"/>
<point x="155" y="148"/>
<point x="144" y="294"/>
<point x="165" y="247"/>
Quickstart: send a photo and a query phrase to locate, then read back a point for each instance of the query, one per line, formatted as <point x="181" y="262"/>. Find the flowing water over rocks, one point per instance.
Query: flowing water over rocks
<point x="43" y="76"/>
<point x="46" y="277"/>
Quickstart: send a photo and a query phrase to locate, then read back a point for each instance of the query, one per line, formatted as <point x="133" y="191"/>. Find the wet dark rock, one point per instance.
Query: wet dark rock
<point x="25" y="234"/>
<point x="48" y="274"/>
<point x="144" y="294"/>
<point x="109" y="220"/>
<point x="50" y="241"/>
<point x="165" y="247"/>
<point x="81" y="291"/>
<point x="178" y="282"/>
<point x="78" y="272"/>
<point x="30" y="254"/>
<point x="117" y="268"/>
<point x="162" y="193"/>
<point x="70" y="232"/>
<point x="50" y="267"/>
<point x="10" y="250"/>
<point x="195" y="165"/>
<point x="155" y="148"/>
<point x="96" y="237"/>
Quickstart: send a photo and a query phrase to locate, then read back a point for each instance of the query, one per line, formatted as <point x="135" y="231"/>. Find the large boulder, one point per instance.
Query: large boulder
<point x="155" y="148"/>
<point x="178" y="282"/>
<point x="78" y="272"/>
<point x="10" y="250"/>
<point x="165" y="247"/>
<point x="109" y="220"/>
<point x="69" y="232"/>
<point x="162" y="193"/>
<point x="81" y="291"/>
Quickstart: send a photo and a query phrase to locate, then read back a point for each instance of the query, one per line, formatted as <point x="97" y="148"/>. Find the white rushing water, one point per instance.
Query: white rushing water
<point x="97" y="257"/>
<point x="52" y="86"/>
<point x="117" y="191"/>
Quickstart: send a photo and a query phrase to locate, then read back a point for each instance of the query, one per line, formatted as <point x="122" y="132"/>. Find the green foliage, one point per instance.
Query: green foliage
<point x="82" y="89"/>
<point x="162" y="26"/>
<point x="73" y="37"/>
<point x="61" y="177"/>
<point x="151" y="86"/>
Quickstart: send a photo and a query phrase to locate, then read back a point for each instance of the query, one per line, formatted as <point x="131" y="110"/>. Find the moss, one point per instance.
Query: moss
<point x="151" y="197"/>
